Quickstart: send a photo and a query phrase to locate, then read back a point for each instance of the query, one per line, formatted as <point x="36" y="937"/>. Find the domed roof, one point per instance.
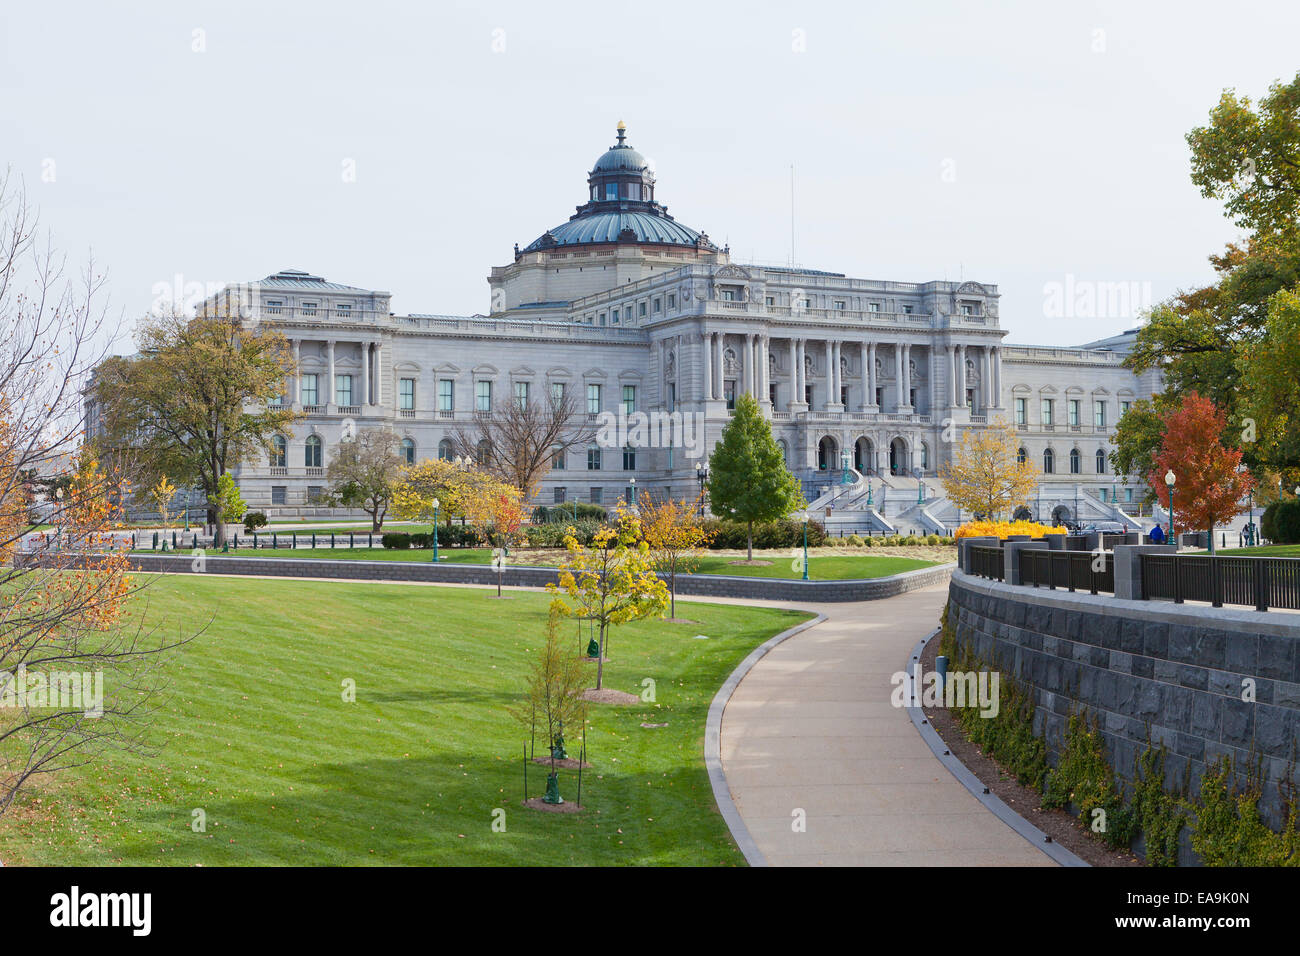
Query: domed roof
<point x="620" y="157"/>
<point x="621" y="209"/>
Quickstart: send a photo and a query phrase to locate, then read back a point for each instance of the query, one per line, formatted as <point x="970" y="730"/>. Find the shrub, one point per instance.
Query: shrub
<point x="551" y="535"/>
<point x="853" y="541"/>
<point x="563" y="513"/>
<point x="1004" y="529"/>
<point x="1280" y="522"/>
<point x="397" y="540"/>
<point x="869" y="541"/>
<point x="254" y="520"/>
<point x="932" y="540"/>
<point x="786" y="533"/>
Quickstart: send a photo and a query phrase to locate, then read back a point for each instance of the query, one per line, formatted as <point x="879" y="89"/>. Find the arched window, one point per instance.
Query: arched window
<point x="444" y="449"/>
<point x="1076" y="461"/>
<point x="1022" y="456"/>
<point x="313" y="451"/>
<point x="279" y="452"/>
<point x="785" y="450"/>
<point x="1101" y="462"/>
<point x="408" y="451"/>
<point x="481" y="453"/>
<point x="1049" y="462"/>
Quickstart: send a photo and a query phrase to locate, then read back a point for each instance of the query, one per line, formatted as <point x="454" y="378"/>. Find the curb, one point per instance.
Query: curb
<point x="991" y="801"/>
<point x="713" y="743"/>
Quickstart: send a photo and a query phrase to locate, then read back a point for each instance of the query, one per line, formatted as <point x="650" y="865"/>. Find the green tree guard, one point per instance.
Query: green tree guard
<point x="553" y="790"/>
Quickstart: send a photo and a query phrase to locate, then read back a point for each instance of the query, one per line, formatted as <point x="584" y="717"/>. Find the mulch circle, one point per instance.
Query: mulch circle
<point x="567" y="763"/>
<point x="607" y="696"/>
<point x="537" y="803"/>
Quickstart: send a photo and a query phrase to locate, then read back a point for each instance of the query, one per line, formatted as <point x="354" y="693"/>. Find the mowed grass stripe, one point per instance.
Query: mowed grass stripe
<point x="256" y="734"/>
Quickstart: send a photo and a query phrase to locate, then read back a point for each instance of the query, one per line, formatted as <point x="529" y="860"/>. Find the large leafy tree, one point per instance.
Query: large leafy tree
<point x="1209" y="488"/>
<point x="986" y="476"/>
<point x="1137" y="437"/>
<point x="748" y="479"/>
<point x="364" y="471"/>
<point x="1270" y="387"/>
<point x="202" y="395"/>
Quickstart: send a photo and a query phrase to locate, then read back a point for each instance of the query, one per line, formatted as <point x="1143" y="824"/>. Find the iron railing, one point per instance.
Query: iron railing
<point x="1220" y="580"/>
<point x="1074" y="570"/>
<point x="987" y="562"/>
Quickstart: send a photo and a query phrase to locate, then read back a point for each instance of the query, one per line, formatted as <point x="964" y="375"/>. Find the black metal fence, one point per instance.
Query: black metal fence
<point x="987" y="562"/>
<point x="1089" y="571"/>
<point x="1261" y="582"/>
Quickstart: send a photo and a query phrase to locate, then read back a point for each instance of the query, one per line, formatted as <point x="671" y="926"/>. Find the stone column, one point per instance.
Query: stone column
<point x="751" y="381"/>
<point x="365" y="375"/>
<point x="720" y="367"/>
<point x="295" y="400"/>
<point x="707" y="339"/>
<point x="866" y="377"/>
<point x="329" y="381"/>
<point x="952" y="376"/>
<point x="900" y="399"/>
<point x="997" y="377"/>
<point x="764" y="372"/>
<point x="379" y="373"/>
<point x="961" y="376"/>
<point x="907" y="376"/>
<point x="796" y="373"/>
<point x="871" y="378"/>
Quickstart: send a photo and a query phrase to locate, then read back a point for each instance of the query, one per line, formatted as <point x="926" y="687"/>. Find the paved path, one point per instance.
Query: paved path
<point x="811" y="727"/>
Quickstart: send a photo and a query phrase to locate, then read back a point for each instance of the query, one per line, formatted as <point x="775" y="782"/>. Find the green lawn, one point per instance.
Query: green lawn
<point x="255" y="733"/>
<point x="1265" y="551"/>
<point x="834" y="567"/>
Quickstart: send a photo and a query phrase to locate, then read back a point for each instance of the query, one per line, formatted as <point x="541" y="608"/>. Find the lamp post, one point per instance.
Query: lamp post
<point x="1250" y="509"/>
<point x="702" y="476"/>
<point x="803" y="516"/>
<point x="844" y="467"/>
<point x="631" y="482"/>
<point x="1169" y="483"/>
<point x="435" y="529"/>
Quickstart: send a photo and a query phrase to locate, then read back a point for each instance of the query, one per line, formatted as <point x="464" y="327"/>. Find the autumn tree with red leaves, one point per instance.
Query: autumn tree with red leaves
<point x="1208" y="488"/>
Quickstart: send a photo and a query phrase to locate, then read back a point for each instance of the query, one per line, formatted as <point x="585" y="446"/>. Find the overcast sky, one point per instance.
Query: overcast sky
<point x="407" y="147"/>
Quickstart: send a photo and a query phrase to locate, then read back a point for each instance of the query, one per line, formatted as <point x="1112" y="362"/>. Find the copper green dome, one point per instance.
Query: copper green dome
<point x="621" y="208"/>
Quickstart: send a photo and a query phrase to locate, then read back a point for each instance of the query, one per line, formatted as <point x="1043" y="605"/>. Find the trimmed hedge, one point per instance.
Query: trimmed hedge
<point x="563" y="514"/>
<point x="787" y="533"/>
<point x="449" y="536"/>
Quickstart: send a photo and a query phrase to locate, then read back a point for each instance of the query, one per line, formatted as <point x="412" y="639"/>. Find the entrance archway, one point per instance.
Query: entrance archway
<point x="1060" y="515"/>
<point x="864" y="456"/>
<point x="827" y="454"/>
<point x="898" y="457"/>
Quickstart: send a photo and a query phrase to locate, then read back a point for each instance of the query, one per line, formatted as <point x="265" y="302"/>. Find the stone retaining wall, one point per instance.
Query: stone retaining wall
<point x="519" y="575"/>
<point x="1178" y="669"/>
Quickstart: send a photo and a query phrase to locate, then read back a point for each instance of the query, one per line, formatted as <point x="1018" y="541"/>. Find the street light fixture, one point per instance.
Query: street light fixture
<point x="803" y="516"/>
<point x="1169" y="483"/>
<point x="435" y="529"/>
<point x="632" y="484"/>
<point x="702" y="476"/>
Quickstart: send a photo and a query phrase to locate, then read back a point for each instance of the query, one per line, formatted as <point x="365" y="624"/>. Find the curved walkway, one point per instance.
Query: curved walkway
<point x="811" y="728"/>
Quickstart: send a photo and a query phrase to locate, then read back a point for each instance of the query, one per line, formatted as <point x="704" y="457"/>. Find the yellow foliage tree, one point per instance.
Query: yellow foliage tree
<point x="161" y="494"/>
<point x="611" y="582"/>
<point x="674" y="532"/>
<point x="986" y="476"/>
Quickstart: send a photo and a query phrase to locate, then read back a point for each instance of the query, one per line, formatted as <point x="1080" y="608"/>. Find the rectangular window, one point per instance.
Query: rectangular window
<point x="728" y="295"/>
<point x="611" y="190"/>
<point x="839" y="304"/>
<point x="593" y="399"/>
<point x="627" y="313"/>
<point x="771" y="300"/>
<point x="1124" y="407"/>
<point x="315" y="494"/>
<point x="593" y="458"/>
<point x="880" y="397"/>
<point x="1103" y="496"/>
<point x="629" y="459"/>
<point x="655" y="306"/>
<point x="274" y="306"/>
<point x="672" y="395"/>
<point x="640" y="309"/>
<point x="1022" y="413"/>
<point x="342" y="389"/>
<point x="1099" y="415"/>
<point x="672" y="300"/>
<point x="907" y="310"/>
<point x="521" y="394"/>
<point x="729" y="392"/>
<point x="1128" y="495"/>
<point x="560" y="495"/>
<point x="445" y="395"/>
<point x="406" y="393"/>
<point x="967" y="310"/>
<point x="343" y="310"/>
<point x="309" y="308"/>
<point x="483" y="396"/>
<point x="308" y="389"/>
<point x="1074" y="412"/>
<point x="1047" y="411"/>
<point x="807" y="303"/>
<point x="629" y="399"/>
<point x="602" y="317"/>
<point x="279" y="494"/>
<point x="873" y="307"/>
<point x="557" y="394"/>
<point x="557" y="457"/>
<point x="595" y="495"/>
